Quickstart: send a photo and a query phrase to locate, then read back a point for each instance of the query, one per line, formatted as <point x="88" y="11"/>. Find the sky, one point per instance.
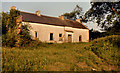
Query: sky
<point x="46" y="8"/>
<point x="54" y="9"/>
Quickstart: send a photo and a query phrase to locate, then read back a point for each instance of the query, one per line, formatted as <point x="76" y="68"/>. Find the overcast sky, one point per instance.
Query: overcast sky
<point x="54" y="9"/>
<point x="47" y="8"/>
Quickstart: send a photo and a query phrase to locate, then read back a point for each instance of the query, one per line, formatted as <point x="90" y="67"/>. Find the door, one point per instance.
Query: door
<point x="80" y="38"/>
<point x="51" y="36"/>
<point x="69" y="38"/>
<point x="35" y="35"/>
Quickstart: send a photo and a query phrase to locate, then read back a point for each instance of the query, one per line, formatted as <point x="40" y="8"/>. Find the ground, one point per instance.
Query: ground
<point x="96" y="55"/>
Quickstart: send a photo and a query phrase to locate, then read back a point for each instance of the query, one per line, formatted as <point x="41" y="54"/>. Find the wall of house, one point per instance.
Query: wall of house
<point x="44" y="30"/>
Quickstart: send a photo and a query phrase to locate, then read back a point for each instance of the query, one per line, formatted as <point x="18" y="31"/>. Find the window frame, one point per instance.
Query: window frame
<point x="60" y="37"/>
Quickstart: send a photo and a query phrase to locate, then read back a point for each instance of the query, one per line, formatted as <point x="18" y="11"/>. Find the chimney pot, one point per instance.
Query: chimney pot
<point x="37" y="13"/>
<point x="13" y="7"/>
<point x="62" y="17"/>
<point x="78" y="20"/>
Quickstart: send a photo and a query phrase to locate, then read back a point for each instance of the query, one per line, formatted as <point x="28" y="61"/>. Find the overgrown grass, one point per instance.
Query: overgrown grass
<point x="107" y="49"/>
<point x="100" y="54"/>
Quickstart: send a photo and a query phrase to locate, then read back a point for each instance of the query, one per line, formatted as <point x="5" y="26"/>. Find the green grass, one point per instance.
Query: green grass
<point x="100" y="54"/>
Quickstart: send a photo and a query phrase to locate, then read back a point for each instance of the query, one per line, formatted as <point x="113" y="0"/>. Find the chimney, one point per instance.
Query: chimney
<point x="62" y="17"/>
<point x="38" y="13"/>
<point x="13" y="7"/>
<point x="78" y="20"/>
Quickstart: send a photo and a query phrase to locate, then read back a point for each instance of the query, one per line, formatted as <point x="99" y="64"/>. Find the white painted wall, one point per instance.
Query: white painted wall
<point x="44" y="31"/>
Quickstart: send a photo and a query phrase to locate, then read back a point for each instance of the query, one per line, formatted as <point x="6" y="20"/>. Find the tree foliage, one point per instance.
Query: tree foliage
<point x="76" y="13"/>
<point x="0" y="24"/>
<point x="94" y="34"/>
<point x="106" y="14"/>
<point x="9" y="29"/>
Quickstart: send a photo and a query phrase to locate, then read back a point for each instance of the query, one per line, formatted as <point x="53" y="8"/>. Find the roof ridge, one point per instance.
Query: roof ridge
<point x="27" y="12"/>
<point x="41" y="14"/>
<point x="48" y="16"/>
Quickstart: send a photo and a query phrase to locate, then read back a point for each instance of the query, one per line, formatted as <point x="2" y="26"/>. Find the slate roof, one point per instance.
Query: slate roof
<point x="30" y="17"/>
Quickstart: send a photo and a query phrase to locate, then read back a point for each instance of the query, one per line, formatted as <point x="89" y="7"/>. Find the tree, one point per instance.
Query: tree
<point x="76" y="13"/>
<point x="9" y="27"/>
<point x="0" y="24"/>
<point x="10" y="37"/>
<point x="94" y="34"/>
<point x="5" y="17"/>
<point x="105" y="14"/>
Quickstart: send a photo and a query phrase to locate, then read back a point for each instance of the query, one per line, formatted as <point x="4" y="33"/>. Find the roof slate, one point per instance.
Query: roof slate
<point x="30" y="17"/>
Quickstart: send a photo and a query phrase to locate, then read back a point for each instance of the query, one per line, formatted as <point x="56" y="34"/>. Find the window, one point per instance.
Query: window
<point x="60" y="37"/>
<point x="80" y="38"/>
<point x="51" y="36"/>
<point x="35" y="34"/>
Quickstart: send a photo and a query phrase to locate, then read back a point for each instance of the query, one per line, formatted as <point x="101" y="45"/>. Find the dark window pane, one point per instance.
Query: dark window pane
<point x="60" y="37"/>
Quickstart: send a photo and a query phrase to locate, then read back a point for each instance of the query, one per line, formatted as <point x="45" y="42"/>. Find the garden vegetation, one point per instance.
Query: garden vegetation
<point x="101" y="54"/>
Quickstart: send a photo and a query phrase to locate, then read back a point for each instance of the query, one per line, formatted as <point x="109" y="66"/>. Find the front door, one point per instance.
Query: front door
<point x="69" y="38"/>
<point x="80" y="38"/>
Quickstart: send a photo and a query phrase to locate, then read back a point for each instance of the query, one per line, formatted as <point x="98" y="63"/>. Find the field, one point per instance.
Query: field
<point x="101" y="54"/>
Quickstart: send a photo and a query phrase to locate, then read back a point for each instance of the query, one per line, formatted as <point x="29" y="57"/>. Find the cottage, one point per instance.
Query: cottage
<point x="53" y="29"/>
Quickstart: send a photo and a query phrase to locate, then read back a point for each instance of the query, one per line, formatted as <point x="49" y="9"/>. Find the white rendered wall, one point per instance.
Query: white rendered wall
<point x="44" y="30"/>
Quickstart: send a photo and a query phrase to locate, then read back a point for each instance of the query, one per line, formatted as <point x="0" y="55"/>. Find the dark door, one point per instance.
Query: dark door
<point x="80" y="38"/>
<point x="35" y="35"/>
<point x="51" y="36"/>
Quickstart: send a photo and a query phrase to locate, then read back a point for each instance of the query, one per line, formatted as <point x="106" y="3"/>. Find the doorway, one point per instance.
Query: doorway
<point x="69" y="38"/>
<point x="36" y="35"/>
<point x="80" y="38"/>
<point x="51" y="36"/>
